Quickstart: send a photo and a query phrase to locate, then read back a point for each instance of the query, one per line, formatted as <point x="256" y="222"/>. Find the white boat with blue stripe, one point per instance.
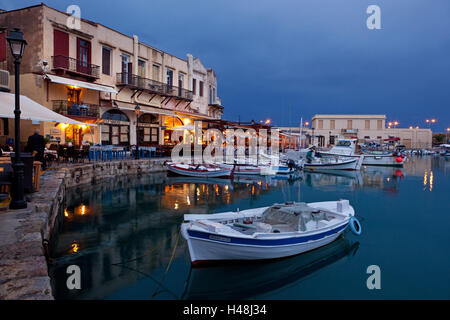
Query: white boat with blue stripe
<point x="278" y="231"/>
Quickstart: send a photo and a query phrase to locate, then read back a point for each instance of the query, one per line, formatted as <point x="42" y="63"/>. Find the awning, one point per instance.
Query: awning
<point x="82" y="84"/>
<point x="31" y="110"/>
<point x="144" y="109"/>
<point x="197" y="116"/>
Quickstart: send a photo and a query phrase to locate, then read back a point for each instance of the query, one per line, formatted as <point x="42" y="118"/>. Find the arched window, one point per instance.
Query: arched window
<point x="148" y="118"/>
<point x="116" y="115"/>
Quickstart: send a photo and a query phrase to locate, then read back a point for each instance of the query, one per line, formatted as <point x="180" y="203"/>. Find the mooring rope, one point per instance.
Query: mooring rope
<point x="169" y="264"/>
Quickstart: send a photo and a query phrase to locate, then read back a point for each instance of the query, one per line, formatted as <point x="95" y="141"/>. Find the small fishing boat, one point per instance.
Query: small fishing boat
<point x="243" y="169"/>
<point x="276" y="170"/>
<point x="347" y="147"/>
<point x="198" y="170"/>
<point x="333" y="163"/>
<point x="278" y="231"/>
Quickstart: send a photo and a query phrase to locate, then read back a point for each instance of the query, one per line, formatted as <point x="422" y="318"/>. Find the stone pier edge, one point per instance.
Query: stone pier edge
<point x="23" y="233"/>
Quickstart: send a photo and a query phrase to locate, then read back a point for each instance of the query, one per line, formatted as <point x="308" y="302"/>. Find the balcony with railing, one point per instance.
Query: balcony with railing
<point x="76" y="67"/>
<point x="82" y="110"/>
<point x="152" y="86"/>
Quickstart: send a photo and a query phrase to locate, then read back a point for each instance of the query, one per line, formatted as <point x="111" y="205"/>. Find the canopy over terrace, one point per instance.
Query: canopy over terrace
<point x="31" y="110"/>
<point x="226" y="124"/>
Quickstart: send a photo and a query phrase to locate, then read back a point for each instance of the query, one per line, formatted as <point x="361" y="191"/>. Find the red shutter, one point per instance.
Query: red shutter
<point x="60" y="43"/>
<point x="60" y="49"/>
<point x="3" y="46"/>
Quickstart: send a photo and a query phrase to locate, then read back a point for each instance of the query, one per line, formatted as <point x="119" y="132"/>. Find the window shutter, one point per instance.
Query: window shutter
<point x="3" y="46"/>
<point x="106" y="61"/>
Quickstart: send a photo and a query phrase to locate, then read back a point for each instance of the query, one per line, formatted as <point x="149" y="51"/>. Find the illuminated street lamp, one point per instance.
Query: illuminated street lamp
<point x="17" y="45"/>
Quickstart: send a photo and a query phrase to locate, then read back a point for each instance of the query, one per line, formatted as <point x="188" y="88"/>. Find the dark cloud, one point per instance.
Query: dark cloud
<point x="287" y="59"/>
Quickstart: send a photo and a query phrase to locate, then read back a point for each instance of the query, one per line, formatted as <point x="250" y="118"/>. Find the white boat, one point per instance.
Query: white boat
<point x="281" y="230"/>
<point x="346" y="147"/>
<point x="333" y="163"/>
<point x="276" y="170"/>
<point x="199" y="170"/>
<point x="243" y="169"/>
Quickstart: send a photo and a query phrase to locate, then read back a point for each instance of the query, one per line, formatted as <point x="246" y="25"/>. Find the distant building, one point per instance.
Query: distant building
<point x="98" y="75"/>
<point x="324" y="130"/>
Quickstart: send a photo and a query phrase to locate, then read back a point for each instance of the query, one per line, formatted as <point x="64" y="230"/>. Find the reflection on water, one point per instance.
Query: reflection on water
<point x="246" y="280"/>
<point x="124" y="233"/>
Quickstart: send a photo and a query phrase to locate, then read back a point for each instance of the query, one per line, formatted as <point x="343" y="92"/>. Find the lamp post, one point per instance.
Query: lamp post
<point x="312" y="136"/>
<point x="136" y="110"/>
<point x="17" y="45"/>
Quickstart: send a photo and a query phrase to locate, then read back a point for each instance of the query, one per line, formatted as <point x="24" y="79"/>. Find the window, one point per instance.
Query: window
<point x="194" y="86"/>
<point x="148" y="118"/>
<point x="60" y="43"/>
<point x="169" y="77"/>
<point x="349" y="124"/>
<point x="380" y="124"/>
<point x="115" y="115"/>
<point x="180" y="80"/>
<point x="125" y="61"/>
<point x="320" y="124"/>
<point x="155" y="72"/>
<point x="3" y="46"/>
<point x="332" y="140"/>
<point x="141" y="68"/>
<point x="106" y="61"/>
<point x="367" y="124"/>
<point x="60" y="49"/>
<point x="212" y="95"/>
<point x="332" y="125"/>
<point x="201" y="88"/>
<point x="83" y="56"/>
<point x="126" y="69"/>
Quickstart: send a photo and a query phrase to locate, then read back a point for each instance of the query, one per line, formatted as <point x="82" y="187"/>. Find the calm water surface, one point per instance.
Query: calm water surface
<point x="123" y="234"/>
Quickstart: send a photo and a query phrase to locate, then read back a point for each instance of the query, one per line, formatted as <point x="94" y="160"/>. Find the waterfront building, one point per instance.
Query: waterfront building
<point x="324" y="131"/>
<point x="98" y="75"/>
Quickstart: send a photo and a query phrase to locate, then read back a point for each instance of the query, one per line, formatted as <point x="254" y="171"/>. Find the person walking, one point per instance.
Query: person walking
<point x="36" y="142"/>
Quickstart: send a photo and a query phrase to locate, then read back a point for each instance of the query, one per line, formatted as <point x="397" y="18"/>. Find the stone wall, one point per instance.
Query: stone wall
<point x="24" y="233"/>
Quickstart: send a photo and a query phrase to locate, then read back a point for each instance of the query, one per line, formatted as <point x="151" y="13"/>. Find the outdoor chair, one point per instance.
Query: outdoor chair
<point x="5" y="180"/>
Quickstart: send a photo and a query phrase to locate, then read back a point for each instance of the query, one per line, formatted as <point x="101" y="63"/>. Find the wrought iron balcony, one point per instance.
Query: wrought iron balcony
<point x="75" y="66"/>
<point x="152" y="86"/>
<point x="84" y="110"/>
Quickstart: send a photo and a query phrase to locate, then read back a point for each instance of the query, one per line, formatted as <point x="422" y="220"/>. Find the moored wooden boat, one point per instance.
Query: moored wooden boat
<point x="278" y="231"/>
<point x="331" y="163"/>
<point x="199" y="170"/>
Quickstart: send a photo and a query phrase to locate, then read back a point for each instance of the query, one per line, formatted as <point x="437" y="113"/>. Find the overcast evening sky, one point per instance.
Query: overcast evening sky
<point x="289" y="59"/>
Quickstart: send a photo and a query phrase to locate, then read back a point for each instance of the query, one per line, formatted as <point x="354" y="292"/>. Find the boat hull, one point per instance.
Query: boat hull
<point x="206" y="247"/>
<point x="196" y="173"/>
<point x="346" y="165"/>
<point x="389" y="161"/>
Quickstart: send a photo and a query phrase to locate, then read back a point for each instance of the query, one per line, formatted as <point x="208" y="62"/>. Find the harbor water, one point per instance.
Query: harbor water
<point x="124" y="236"/>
